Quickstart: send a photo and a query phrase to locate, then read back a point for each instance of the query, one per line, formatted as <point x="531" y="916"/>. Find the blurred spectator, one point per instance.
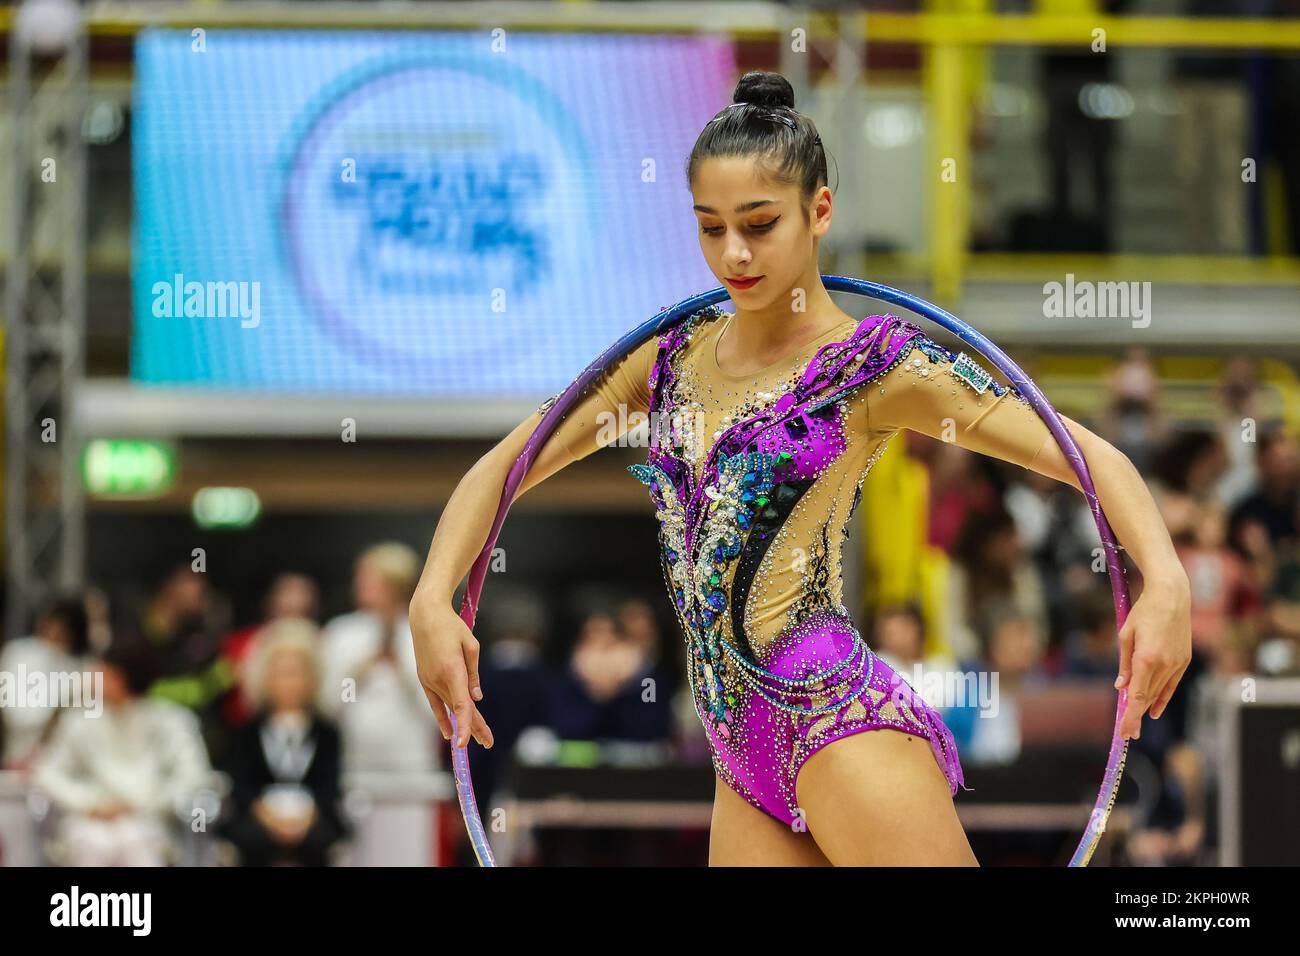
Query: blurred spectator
<point x="1202" y="724"/>
<point x="181" y="624"/>
<point x="369" y="684"/>
<point x="1238" y="396"/>
<point x="1134" y="421"/>
<point x="512" y="631"/>
<point x="1059" y="534"/>
<point x="1190" y="465"/>
<point x="991" y="569"/>
<point x="291" y="595"/>
<point x="1176" y="759"/>
<point x="286" y="763"/>
<point x="1273" y="501"/>
<point x="59" y="646"/>
<point x="1011" y="648"/>
<point x="1279" y="576"/>
<point x="638" y="623"/>
<point x="1221" y="590"/>
<point x="956" y="487"/>
<point x="119" y="779"/>
<point x="1092" y="651"/>
<point x="1171" y="830"/>
<point x="898" y="638"/>
<point x="611" y="689"/>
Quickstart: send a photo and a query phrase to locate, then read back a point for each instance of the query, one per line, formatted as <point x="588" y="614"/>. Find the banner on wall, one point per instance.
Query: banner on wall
<point x="446" y="214"/>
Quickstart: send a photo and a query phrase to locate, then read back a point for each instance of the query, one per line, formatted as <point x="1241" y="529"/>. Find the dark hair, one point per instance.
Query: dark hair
<point x="1271" y="435"/>
<point x="1174" y="460"/>
<point x="978" y="527"/>
<point x="995" y="616"/>
<point x="70" y="611"/>
<point x="762" y="122"/>
<point x="1097" y="610"/>
<point x="908" y="609"/>
<point x="135" y="659"/>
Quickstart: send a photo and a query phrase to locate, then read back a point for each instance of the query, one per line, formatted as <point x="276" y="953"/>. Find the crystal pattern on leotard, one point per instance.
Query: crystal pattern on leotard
<point x="736" y="515"/>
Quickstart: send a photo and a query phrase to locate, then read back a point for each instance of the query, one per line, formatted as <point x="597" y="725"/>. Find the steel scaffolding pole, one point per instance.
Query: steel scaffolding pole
<point x="45" y="314"/>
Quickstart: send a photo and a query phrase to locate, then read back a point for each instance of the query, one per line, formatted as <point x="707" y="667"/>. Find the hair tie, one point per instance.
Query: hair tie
<point x="769" y="113"/>
<point x="764" y="112"/>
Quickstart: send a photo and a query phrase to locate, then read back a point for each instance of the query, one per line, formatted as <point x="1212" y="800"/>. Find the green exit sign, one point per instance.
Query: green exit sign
<point x="122" y="467"/>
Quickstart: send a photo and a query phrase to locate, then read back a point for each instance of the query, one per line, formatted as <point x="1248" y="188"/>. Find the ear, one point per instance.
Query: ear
<point x="820" y="210"/>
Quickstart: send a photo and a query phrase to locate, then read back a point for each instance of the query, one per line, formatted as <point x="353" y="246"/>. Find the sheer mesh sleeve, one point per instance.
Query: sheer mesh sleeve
<point x="953" y="398"/>
<point x="615" y="402"/>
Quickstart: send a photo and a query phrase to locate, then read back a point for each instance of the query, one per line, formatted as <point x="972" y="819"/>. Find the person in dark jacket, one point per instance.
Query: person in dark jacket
<point x="286" y="763"/>
<point x="609" y="689"/>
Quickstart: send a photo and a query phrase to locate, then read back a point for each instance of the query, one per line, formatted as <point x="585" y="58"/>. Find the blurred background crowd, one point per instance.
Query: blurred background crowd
<point x="285" y="705"/>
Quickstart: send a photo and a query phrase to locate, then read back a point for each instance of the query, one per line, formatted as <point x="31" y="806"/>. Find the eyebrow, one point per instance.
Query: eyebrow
<point x="743" y="208"/>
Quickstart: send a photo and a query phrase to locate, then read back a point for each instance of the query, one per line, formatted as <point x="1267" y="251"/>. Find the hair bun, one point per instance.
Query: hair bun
<point x="764" y="89"/>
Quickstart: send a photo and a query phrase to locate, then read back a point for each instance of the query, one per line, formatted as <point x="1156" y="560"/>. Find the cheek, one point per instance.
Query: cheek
<point x="792" y="247"/>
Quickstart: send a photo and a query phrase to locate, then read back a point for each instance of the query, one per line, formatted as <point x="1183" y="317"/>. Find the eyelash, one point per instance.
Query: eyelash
<point x="762" y="227"/>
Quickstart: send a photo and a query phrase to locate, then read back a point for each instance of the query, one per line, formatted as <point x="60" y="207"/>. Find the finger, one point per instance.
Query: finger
<point x="455" y="690"/>
<point x="1165" y="695"/>
<point x="481" y="731"/>
<point x="440" y="712"/>
<point x="1125" y="657"/>
<point x="463" y="710"/>
<point x="471" y="667"/>
<point x="1139" y="695"/>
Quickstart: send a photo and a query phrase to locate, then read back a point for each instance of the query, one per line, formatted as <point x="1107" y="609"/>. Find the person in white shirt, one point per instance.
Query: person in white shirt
<point x="59" y="647"/>
<point x="119" y="778"/>
<point x="369" y="685"/>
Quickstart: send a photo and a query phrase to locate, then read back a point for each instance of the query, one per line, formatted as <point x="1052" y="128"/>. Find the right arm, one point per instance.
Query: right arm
<point x="446" y="651"/>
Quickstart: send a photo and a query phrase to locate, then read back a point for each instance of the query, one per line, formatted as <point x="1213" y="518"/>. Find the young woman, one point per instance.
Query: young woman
<point x="764" y="425"/>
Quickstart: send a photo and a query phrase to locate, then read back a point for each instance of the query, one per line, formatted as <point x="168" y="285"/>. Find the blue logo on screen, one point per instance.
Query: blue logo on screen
<point x="432" y="186"/>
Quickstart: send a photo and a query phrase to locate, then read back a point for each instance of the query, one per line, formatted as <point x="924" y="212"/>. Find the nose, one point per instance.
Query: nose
<point x="737" y="256"/>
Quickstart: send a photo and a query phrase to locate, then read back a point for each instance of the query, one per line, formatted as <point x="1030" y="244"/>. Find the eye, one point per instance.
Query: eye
<point x="755" y="227"/>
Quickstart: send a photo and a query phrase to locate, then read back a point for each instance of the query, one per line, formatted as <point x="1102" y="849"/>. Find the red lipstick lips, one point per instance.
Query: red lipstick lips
<point x="746" y="283"/>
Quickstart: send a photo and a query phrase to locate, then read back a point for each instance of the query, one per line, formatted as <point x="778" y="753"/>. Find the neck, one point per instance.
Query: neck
<point x="758" y="332"/>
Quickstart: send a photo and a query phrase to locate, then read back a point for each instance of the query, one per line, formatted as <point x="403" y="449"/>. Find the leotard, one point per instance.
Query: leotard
<point x="754" y="479"/>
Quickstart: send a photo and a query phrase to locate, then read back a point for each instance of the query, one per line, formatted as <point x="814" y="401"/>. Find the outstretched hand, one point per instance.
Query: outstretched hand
<point x="446" y="658"/>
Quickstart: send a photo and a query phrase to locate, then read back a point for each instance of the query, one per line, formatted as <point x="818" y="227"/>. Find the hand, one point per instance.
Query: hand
<point x="291" y="830"/>
<point x="284" y="830"/>
<point x="108" y="811"/>
<point x="1155" y="647"/>
<point x="446" y="659"/>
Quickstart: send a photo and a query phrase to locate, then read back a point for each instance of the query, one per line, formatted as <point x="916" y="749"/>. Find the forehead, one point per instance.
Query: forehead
<point x="725" y="182"/>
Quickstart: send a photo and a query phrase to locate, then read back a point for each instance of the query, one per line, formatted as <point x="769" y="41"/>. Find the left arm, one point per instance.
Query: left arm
<point x="1156" y="639"/>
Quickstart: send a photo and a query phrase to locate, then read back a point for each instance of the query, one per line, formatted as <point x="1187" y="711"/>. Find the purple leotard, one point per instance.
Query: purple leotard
<point x="769" y="705"/>
<point x="754" y="479"/>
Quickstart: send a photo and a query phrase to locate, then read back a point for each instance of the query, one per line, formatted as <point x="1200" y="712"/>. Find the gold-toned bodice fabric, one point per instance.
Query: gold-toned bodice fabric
<point x="800" y="573"/>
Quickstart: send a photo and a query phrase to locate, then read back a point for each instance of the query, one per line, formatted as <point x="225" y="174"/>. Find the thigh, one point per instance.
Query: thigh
<point x="879" y="798"/>
<point x="743" y="835"/>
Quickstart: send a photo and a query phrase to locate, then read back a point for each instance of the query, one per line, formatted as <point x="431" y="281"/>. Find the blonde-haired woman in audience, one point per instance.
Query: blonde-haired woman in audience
<point x="286" y="763"/>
